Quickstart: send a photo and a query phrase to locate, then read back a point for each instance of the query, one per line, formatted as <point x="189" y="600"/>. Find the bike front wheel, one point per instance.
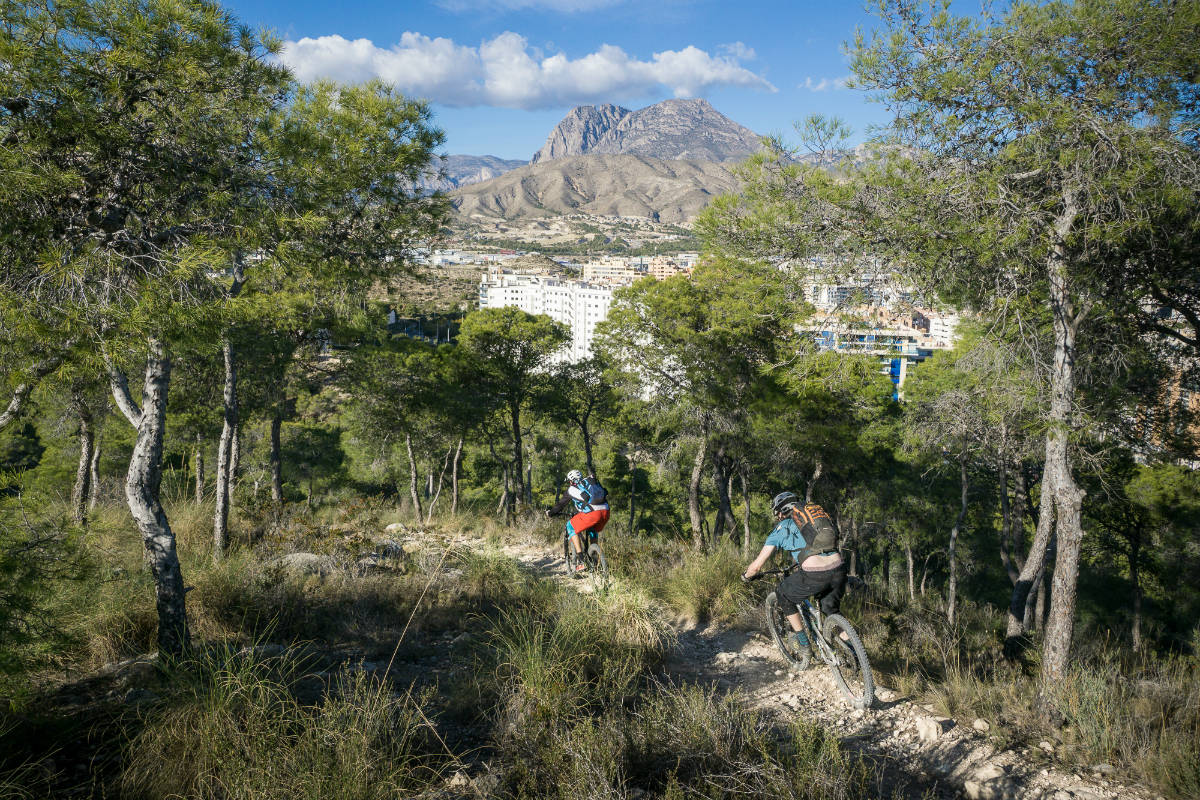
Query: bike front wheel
<point x="569" y="558"/>
<point x="783" y="635"/>
<point x="851" y="670"/>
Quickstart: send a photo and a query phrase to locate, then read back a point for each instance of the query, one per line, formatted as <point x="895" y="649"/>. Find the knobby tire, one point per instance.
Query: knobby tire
<point x="851" y="671"/>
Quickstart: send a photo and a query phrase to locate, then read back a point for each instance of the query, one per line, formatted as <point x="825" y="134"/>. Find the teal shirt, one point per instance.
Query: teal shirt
<point x="786" y="535"/>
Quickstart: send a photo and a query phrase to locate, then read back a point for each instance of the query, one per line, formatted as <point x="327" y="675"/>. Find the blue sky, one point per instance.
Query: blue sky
<point x="502" y="73"/>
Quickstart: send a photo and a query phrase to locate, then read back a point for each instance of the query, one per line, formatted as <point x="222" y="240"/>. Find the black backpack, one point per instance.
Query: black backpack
<point x="596" y="492"/>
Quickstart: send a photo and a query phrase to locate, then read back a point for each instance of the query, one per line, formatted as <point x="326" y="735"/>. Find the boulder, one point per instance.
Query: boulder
<point x="930" y="729"/>
<point x="303" y="564"/>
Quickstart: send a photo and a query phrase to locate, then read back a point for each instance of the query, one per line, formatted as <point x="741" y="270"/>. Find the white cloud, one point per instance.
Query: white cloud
<point x="506" y="72"/>
<point x="824" y="84"/>
<point x="738" y="51"/>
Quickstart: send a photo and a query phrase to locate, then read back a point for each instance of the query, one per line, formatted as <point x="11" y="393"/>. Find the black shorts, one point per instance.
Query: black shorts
<point x="828" y="585"/>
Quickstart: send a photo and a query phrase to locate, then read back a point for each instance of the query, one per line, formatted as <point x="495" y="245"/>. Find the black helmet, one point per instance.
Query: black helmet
<point x="783" y="500"/>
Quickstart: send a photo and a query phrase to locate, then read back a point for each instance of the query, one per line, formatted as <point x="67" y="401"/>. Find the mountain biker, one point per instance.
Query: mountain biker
<point x="591" y="510"/>
<point x="808" y="534"/>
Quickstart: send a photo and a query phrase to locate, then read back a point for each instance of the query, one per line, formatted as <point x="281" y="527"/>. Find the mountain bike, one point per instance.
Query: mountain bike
<point x="592" y="557"/>
<point x="833" y="640"/>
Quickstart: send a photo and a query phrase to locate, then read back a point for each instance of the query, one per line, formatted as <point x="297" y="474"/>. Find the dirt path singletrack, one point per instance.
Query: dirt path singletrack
<point x="915" y="752"/>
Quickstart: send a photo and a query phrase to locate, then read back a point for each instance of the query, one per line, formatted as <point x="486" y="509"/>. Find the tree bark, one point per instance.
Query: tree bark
<point x="441" y="479"/>
<point x="952" y="551"/>
<point x="225" y="451"/>
<point x="502" y="507"/>
<point x="94" y="472"/>
<point x="412" y="477"/>
<point x="812" y="482"/>
<point x="722" y="477"/>
<point x="275" y="460"/>
<point x="1031" y="573"/>
<point x="632" y="493"/>
<point x="198" y="464"/>
<point x="694" y="515"/>
<point x="1006" y="526"/>
<point x="743" y="474"/>
<point x="142" y="492"/>
<point x="83" y="475"/>
<point x="518" y="477"/>
<point x="235" y="459"/>
<point x="1135" y="550"/>
<point x="454" y="477"/>
<point x="908" y="555"/>
<point x="1068" y="497"/>
<point x="587" y="445"/>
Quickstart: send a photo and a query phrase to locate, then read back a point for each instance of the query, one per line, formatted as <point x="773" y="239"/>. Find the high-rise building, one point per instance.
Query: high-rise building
<point x="578" y="304"/>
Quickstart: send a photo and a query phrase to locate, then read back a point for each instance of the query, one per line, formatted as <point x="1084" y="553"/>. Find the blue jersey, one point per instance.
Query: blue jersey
<point x="786" y="535"/>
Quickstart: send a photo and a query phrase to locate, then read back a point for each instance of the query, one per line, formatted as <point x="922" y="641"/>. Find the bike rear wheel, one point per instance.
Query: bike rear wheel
<point x="596" y="561"/>
<point x="851" y="670"/>
<point x="783" y="635"/>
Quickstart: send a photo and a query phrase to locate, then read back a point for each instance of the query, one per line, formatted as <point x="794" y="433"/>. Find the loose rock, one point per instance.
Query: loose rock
<point x="981" y="725"/>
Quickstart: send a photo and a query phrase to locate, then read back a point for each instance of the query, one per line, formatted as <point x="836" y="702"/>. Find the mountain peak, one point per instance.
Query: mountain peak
<point x="680" y="128"/>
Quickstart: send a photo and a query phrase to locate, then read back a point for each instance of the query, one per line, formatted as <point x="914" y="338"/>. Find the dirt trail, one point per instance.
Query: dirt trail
<point x="917" y="753"/>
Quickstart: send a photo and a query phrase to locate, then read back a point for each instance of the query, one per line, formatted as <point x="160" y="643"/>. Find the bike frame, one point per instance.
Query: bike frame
<point x="810" y="614"/>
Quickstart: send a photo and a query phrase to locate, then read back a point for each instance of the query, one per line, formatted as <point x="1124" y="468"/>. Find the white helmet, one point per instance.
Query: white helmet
<point x="574" y="476"/>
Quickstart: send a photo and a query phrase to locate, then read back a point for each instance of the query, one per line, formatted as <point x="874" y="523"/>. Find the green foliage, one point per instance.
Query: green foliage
<point x="238" y="728"/>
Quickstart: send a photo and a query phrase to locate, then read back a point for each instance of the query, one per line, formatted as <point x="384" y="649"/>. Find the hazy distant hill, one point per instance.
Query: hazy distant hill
<point x="611" y="185"/>
<point x="673" y="129"/>
<point x="466" y="170"/>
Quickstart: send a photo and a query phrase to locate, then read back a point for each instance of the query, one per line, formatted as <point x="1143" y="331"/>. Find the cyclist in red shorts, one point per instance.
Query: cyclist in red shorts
<point x="591" y="509"/>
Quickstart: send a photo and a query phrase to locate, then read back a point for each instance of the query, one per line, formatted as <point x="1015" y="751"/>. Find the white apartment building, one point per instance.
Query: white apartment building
<point x="578" y="304"/>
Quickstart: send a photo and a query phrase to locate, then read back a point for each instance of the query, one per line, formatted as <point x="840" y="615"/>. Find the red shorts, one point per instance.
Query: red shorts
<point x="590" y="521"/>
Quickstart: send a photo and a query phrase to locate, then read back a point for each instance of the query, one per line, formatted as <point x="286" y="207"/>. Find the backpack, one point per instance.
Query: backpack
<point x="597" y="493"/>
<point x="818" y="531"/>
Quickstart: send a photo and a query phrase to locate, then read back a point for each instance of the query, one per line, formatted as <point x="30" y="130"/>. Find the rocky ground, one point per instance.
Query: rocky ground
<point x="917" y="753"/>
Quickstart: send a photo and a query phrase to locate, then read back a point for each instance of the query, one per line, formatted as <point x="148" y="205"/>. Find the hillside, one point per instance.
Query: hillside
<point x="609" y="185"/>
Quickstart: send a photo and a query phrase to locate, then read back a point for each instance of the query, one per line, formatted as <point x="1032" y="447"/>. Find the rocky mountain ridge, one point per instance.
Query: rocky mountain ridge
<point x="688" y="129"/>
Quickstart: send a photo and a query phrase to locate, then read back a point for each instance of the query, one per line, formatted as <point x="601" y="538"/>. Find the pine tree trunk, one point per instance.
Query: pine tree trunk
<point x="694" y="515"/>
<point x="1135" y="549"/>
<point x="952" y="553"/>
<point x="275" y="459"/>
<point x="83" y="475"/>
<point x="412" y="477"/>
<point x="198" y="462"/>
<point x="1020" y="506"/>
<point x="94" y="472"/>
<point x="742" y="473"/>
<point x="1006" y="526"/>
<point x="225" y="452"/>
<point x="441" y="479"/>
<point x="587" y="446"/>
<point x="142" y="492"/>
<point x="632" y="494"/>
<point x="1068" y="497"/>
<point x="812" y="482"/>
<point x="1028" y="579"/>
<point x="235" y="460"/>
<point x="454" y="477"/>
<point x="518" y="478"/>
<point x="502" y="506"/>
<point x="908" y="555"/>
